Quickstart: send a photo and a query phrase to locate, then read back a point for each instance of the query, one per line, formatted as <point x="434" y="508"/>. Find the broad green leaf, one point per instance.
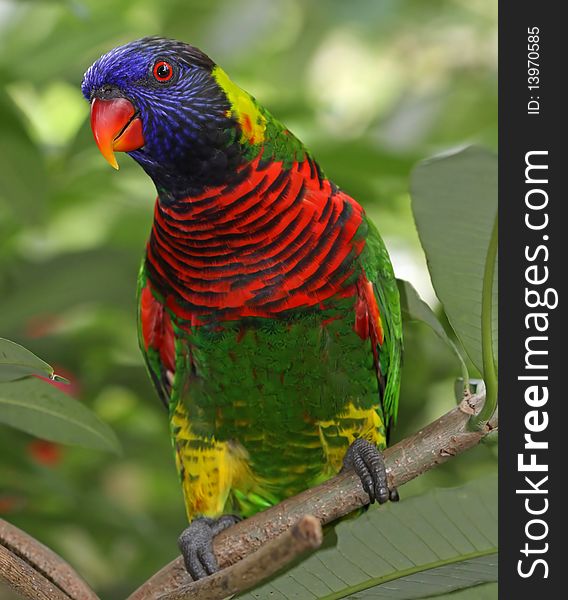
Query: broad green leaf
<point x="39" y="408"/>
<point x="415" y="309"/>
<point x="17" y="362"/>
<point x="485" y="591"/>
<point x="454" y="200"/>
<point x="428" y="545"/>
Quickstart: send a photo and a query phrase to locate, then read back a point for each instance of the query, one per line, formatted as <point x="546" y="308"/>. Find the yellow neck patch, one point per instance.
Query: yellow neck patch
<point x="243" y="108"/>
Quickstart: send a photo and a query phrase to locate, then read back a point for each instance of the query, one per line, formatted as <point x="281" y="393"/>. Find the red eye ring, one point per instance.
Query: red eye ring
<point x="163" y="71"/>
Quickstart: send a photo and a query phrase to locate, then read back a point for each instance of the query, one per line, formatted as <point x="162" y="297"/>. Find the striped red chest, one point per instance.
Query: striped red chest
<point x="275" y="239"/>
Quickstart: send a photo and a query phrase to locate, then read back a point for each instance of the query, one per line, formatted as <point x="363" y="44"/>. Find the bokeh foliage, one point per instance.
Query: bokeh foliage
<point x="371" y="86"/>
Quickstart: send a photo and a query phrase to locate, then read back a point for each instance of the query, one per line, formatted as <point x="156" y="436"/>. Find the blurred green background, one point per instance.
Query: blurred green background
<point x="371" y="86"/>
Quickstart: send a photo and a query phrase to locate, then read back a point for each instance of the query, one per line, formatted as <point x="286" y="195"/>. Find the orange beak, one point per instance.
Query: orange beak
<point x="116" y="127"/>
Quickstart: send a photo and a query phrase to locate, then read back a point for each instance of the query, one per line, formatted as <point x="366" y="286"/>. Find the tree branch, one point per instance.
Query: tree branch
<point x="24" y="579"/>
<point x="446" y="437"/>
<point x="36" y="571"/>
<point x="306" y="534"/>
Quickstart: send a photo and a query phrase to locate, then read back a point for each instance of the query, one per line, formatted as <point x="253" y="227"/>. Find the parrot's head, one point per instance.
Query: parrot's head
<point x="171" y="108"/>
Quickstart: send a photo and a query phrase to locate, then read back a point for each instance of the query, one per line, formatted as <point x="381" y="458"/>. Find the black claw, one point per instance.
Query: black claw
<point x="209" y="562"/>
<point x="383" y="495"/>
<point x="194" y="566"/>
<point x="223" y="522"/>
<point x="367" y="483"/>
<point x="364" y="458"/>
<point x="196" y="544"/>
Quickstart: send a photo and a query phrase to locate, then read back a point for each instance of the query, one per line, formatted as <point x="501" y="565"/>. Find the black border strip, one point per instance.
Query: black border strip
<point x="522" y="131"/>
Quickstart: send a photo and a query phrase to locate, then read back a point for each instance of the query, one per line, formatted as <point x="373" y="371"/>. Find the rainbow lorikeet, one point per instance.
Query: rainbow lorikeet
<point x="269" y="314"/>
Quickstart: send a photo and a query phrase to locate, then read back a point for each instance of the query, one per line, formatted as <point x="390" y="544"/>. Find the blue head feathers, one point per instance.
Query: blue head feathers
<point x="188" y="133"/>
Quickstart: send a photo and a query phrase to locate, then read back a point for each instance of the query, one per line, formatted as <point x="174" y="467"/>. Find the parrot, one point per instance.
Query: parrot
<point x="268" y="310"/>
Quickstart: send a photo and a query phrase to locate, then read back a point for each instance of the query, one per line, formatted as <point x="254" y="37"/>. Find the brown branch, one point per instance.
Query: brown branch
<point x="306" y="534"/>
<point x="24" y="579"/>
<point x="446" y="437"/>
<point x="33" y="569"/>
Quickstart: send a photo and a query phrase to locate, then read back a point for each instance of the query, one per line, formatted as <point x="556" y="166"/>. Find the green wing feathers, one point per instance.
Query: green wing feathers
<point x="378" y="268"/>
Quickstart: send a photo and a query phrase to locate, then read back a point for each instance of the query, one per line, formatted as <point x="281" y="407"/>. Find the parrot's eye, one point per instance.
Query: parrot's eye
<point x="163" y="71"/>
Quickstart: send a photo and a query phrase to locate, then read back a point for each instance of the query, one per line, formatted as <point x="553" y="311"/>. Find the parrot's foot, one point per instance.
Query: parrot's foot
<point x="196" y="544"/>
<point x="364" y="458"/>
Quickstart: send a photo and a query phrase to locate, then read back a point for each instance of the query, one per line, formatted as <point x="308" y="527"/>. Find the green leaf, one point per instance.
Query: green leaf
<point x="428" y="545"/>
<point x="485" y="591"/>
<point x="39" y="408"/>
<point x="413" y="308"/>
<point x="454" y="200"/>
<point x="17" y="362"/>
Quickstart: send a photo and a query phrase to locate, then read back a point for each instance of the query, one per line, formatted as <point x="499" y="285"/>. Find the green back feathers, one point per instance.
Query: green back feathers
<point x="376" y="262"/>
